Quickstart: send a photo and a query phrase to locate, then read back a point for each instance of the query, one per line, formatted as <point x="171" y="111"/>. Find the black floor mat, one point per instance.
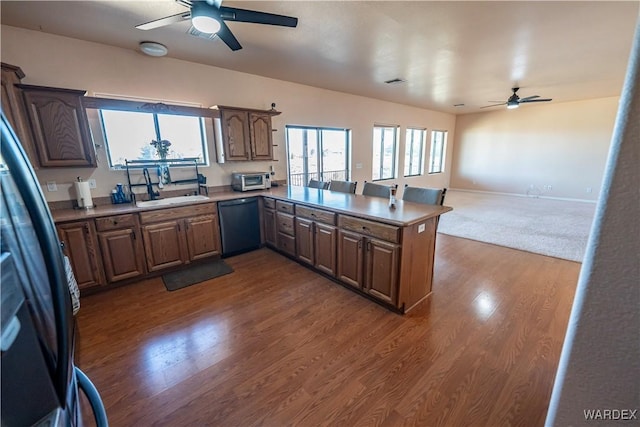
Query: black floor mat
<point x="197" y="274"/>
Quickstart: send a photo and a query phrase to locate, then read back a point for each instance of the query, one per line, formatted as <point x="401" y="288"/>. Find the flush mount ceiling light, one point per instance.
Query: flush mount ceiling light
<point x="153" y="48"/>
<point x="204" y="18"/>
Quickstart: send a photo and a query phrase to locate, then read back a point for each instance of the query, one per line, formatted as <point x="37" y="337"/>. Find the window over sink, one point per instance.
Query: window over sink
<point x="130" y="126"/>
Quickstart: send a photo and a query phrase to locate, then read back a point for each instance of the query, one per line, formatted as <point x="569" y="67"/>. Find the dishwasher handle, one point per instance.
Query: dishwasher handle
<point x="235" y="202"/>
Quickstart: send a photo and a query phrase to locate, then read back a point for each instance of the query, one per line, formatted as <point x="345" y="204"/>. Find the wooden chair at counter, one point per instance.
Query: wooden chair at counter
<point x="343" y="186"/>
<point x="427" y="196"/>
<point x="322" y="185"/>
<point x="377" y="190"/>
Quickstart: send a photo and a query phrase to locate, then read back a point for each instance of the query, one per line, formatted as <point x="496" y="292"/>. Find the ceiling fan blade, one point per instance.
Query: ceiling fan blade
<point x="227" y="36"/>
<point x="214" y="3"/>
<point x="164" y="21"/>
<point x="242" y="15"/>
<point x="526" y="99"/>
<point x="494" y="105"/>
<point x="535" y="100"/>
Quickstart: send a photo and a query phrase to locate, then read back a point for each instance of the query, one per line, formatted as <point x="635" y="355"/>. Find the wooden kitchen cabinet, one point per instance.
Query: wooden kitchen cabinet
<point x="202" y="236"/>
<point x="14" y="109"/>
<point x="304" y="240"/>
<point x="164" y="245"/>
<point x="81" y="246"/>
<point x="121" y="247"/>
<point x="59" y="126"/>
<point x="350" y="258"/>
<point x="368" y="264"/>
<point x="246" y="134"/>
<point x="235" y="134"/>
<point x="325" y="248"/>
<point x="177" y="236"/>
<point x="269" y="222"/>
<point x="260" y="139"/>
<point x="381" y="264"/>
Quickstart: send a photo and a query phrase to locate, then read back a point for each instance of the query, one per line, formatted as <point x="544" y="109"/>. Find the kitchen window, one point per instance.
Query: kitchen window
<point x="128" y="135"/>
<point x="438" y="144"/>
<point x="384" y="152"/>
<point x="414" y="152"/>
<point x="317" y="153"/>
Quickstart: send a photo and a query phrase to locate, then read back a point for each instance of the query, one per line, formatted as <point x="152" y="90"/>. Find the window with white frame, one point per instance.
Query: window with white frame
<point x="317" y="153"/>
<point x="438" y="148"/>
<point x="414" y="152"/>
<point x="384" y="152"/>
<point x="128" y="136"/>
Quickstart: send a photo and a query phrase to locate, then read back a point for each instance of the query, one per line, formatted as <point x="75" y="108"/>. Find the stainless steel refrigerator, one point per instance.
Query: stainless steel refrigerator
<point x="40" y="382"/>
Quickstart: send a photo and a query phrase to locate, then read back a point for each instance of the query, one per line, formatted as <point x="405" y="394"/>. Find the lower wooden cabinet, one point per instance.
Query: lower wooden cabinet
<point x="121" y="254"/>
<point x="350" y="258"/>
<point x="325" y="239"/>
<point x="164" y="245"/>
<point x="304" y="241"/>
<point x="177" y="236"/>
<point x="81" y="246"/>
<point x="269" y="226"/>
<point x="381" y="263"/>
<point x="115" y="248"/>
<point x="202" y="237"/>
<point x="368" y="264"/>
<point x="121" y="246"/>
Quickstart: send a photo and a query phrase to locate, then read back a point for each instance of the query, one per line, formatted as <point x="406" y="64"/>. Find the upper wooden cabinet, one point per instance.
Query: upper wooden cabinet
<point x="15" y="111"/>
<point x="59" y="125"/>
<point x="245" y="134"/>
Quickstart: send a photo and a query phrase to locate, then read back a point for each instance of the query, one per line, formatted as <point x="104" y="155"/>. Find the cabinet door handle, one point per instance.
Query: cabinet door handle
<point x="134" y="234"/>
<point x="179" y="227"/>
<point x="368" y="246"/>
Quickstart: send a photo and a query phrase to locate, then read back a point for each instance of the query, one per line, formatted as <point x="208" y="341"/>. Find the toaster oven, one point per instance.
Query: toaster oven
<point x="246" y="181"/>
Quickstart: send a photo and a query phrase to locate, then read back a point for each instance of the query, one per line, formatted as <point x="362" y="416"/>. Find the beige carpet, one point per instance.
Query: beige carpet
<point x="550" y="227"/>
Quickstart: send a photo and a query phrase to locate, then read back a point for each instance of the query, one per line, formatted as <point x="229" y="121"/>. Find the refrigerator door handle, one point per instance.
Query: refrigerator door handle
<point x="89" y="390"/>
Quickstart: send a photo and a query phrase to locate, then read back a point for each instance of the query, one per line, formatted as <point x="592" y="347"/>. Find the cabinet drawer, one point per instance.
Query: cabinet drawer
<point x="175" y="213"/>
<point x="370" y="228"/>
<point x="284" y="207"/>
<point x="287" y="244"/>
<point x="269" y="203"/>
<point x="286" y="224"/>
<point x="116" y="222"/>
<point x="316" y="214"/>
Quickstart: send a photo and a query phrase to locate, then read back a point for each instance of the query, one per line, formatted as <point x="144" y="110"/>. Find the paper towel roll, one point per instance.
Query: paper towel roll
<point x="83" y="193"/>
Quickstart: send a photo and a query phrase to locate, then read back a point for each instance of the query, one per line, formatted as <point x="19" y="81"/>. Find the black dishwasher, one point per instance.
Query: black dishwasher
<point x="239" y="225"/>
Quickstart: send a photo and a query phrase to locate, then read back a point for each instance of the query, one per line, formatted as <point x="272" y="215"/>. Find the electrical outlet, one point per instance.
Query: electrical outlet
<point x="92" y="183"/>
<point x="52" y="186"/>
<point x="358" y="165"/>
<point x="589" y="189"/>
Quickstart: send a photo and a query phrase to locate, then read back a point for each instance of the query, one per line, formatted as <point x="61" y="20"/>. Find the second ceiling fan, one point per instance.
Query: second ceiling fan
<point x="514" y="100"/>
<point x="209" y="17"/>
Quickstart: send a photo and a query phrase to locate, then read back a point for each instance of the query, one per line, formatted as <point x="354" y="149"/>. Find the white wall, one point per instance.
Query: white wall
<point x="52" y="60"/>
<point x="564" y="145"/>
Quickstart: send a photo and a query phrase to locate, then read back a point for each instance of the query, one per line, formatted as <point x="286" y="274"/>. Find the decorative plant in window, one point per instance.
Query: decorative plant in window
<point x="162" y="148"/>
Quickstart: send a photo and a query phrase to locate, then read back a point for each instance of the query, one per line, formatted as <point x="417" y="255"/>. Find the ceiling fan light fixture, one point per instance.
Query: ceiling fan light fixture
<point x="512" y="105"/>
<point x="153" y="48"/>
<point x="203" y="19"/>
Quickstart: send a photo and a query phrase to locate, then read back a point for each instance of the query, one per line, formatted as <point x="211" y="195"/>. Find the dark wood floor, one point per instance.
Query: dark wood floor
<point x="275" y="344"/>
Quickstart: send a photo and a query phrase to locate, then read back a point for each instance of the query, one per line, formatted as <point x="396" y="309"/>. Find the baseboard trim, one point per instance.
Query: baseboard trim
<point x="528" y="196"/>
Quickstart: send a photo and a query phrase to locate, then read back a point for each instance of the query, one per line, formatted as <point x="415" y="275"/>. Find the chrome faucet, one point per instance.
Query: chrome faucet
<point x="153" y="195"/>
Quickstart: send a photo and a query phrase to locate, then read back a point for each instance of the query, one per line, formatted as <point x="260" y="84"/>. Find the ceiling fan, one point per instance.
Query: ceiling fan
<point x="209" y="17"/>
<point x="514" y="100"/>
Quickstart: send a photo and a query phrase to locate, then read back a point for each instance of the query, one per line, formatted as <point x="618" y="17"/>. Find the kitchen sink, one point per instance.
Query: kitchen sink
<point x="170" y="201"/>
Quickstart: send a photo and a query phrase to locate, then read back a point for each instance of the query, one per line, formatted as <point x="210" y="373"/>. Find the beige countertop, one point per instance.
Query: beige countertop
<point x="367" y="207"/>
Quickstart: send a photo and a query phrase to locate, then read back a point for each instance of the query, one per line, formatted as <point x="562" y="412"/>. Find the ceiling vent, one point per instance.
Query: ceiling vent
<point x="395" y="81"/>
<point x="192" y="31"/>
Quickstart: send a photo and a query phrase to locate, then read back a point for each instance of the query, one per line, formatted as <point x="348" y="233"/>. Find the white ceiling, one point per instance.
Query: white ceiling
<point x="449" y="52"/>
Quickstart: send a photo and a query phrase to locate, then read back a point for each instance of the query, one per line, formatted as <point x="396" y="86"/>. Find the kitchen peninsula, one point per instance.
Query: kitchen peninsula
<point x="383" y="253"/>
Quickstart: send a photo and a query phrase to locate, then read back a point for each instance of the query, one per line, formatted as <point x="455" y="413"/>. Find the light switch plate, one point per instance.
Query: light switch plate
<point x="92" y="183"/>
